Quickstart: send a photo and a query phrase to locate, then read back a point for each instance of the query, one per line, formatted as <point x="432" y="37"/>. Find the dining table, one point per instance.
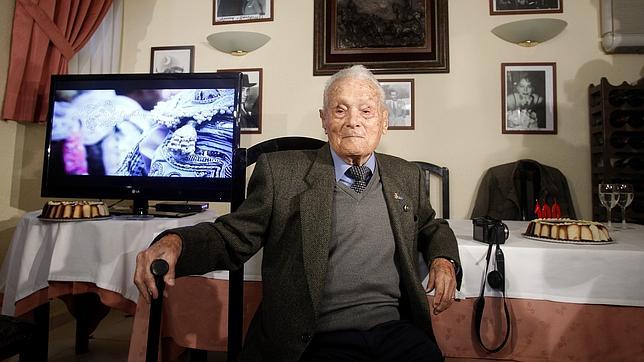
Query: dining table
<point x="87" y="263"/>
<point x="567" y="302"/>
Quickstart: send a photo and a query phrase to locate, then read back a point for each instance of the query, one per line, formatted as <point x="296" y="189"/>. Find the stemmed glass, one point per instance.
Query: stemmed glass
<point x="608" y="196"/>
<point x="626" y="195"/>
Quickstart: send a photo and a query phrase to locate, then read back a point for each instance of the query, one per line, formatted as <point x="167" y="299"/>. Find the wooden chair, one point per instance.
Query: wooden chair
<point x="431" y="170"/>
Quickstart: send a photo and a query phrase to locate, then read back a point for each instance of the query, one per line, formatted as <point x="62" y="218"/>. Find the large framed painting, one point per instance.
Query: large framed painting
<point x="386" y="36"/>
<point x="529" y="98"/>
<point x="250" y="117"/>
<point x="507" y="7"/>
<point x="241" y="11"/>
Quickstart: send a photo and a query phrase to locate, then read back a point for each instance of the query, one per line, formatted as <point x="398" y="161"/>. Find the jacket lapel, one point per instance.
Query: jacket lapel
<point x="316" y="206"/>
<point x="401" y="212"/>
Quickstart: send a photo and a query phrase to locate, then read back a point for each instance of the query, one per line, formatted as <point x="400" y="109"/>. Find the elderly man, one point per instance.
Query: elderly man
<point x="341" y="229"/>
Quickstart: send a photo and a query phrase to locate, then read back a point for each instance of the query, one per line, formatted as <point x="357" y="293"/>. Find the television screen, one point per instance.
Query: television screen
<point x="142" y="136"/>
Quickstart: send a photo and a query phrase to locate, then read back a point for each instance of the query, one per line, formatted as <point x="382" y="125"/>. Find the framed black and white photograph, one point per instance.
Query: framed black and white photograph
<point x="241" y="11"/>
<point x="387" y="37"/>
<point x="507" y="7"/>
<point x="529" y="98"/>
<point x="250" y="118"/>
<point x="399" y="99"/>
<point x="172" y="59"/>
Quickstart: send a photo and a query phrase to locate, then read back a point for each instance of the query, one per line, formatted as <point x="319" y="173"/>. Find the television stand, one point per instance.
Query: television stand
<point x="128" y="214"/>
<point x="180" y="207"/>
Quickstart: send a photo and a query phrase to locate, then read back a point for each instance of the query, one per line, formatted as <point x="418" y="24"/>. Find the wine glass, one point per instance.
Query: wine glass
<point x="608" y="196"/>
<point x="626" y="195"/>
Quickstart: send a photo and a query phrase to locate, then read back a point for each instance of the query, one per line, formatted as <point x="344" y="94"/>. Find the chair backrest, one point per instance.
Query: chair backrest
<point x="431" y="170"/>
<point x="245" y="158"/>
<point x="529" y="186"/>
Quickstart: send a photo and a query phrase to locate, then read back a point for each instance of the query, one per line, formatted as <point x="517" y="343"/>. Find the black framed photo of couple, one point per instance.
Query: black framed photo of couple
<point x="506" y="7"/>
<point x="529" y="98"/>
<point x="172" y="59"/>
<point x="241" y="11"/>
<point x="250" y="118"/>
<point x="399" y="99"/>
<point x="387" y="36"/>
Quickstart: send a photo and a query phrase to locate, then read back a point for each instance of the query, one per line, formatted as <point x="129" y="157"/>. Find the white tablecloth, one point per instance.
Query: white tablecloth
<point x="596" y="274"/>
<point x="102" y="252"/>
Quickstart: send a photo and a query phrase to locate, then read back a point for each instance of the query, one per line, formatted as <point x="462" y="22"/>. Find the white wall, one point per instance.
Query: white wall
<point x="458" y="114"/>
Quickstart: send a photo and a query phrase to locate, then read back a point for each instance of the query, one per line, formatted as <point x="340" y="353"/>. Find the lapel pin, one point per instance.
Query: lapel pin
<point x="397" y="197"/>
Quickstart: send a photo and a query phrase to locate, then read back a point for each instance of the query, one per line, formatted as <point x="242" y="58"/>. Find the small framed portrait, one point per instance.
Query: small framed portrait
<point x="399" y="99"/>
<point x="241" y="11"/>
<point x="507" y="7"/>
<point x="529" y="98"/>
<point x="250" y="117"/>
<point x="172" y="59"/>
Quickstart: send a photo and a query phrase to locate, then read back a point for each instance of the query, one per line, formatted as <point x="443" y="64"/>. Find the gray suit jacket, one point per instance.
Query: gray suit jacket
<point x="288" y="212"/>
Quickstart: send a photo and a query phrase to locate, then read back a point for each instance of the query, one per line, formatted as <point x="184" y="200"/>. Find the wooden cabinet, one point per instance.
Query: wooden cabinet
<point x="617" y="143"/>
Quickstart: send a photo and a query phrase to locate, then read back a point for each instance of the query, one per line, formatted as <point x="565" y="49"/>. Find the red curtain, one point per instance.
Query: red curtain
<point x="46" y="34"/>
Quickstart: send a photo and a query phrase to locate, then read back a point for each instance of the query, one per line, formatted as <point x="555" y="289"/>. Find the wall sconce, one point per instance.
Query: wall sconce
<point x="530" y="32"/>
<point x="237" y="42"/>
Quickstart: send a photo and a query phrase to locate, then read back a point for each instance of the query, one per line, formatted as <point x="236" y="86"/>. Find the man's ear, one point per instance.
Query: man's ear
<point x="322" y="119"/>
<point x="385" y="125"/>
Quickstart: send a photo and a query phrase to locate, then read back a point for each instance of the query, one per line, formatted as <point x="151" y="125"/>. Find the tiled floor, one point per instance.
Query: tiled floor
<point x="110" y="342"/>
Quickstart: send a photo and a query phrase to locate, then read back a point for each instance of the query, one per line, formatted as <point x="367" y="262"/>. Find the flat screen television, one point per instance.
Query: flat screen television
<point x="141" y="137"/>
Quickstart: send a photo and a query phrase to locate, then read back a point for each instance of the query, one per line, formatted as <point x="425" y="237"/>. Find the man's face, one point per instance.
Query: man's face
<point x="354" y="119"/>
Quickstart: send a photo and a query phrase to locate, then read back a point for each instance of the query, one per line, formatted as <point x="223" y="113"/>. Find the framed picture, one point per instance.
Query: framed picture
<point x="250" y="118"/>
<point x="399" y="98"/>
<point x="387" y="36"/>
<point x="529" y="97"/>
<point x="241" y="11"/>
<point x="172" y="59"/>
<point x="506" y="7"/>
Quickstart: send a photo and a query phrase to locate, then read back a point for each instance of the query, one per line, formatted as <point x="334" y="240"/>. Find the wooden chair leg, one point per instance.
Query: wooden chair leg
<point x="41" y="337"/>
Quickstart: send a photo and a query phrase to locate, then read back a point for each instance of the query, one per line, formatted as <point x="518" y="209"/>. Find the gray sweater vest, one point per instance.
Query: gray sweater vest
<point x="362" y="285"/>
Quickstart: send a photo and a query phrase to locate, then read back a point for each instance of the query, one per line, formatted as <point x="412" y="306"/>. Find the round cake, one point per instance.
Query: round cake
<point x="568" y="229"/>
<point x="74" y="210"/>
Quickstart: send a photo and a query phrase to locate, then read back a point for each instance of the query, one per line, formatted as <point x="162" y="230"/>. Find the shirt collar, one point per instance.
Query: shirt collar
<point x="341" y="166"/>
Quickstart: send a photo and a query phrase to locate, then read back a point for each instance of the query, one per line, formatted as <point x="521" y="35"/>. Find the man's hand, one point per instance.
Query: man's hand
<point x="442" y="278"/>
<point x="167" y="248"/>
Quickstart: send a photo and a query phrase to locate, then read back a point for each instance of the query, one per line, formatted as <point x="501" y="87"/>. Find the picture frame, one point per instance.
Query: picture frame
<point x="509" y="7"/>
<point x="241" y="11"/>
<point x="172" y="59"/>
<point x="529" y="98"/>
<point x="418" y="47"/>
<point x="399" y="99"/>
<point x="250" y="118"/>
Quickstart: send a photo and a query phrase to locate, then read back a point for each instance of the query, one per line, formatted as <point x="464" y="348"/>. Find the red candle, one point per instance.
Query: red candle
<point x="545" y="211"/>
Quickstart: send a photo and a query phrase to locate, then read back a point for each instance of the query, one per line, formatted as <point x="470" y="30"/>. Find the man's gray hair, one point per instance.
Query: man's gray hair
<point x="354" y="72"/>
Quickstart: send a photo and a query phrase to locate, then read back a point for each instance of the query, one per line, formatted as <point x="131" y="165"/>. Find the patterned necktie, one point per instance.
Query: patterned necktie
<point x="360" y="175"/>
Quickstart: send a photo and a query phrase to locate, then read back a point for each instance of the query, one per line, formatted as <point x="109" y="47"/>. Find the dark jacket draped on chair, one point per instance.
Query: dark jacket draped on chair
<point x="502" y="192"/>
